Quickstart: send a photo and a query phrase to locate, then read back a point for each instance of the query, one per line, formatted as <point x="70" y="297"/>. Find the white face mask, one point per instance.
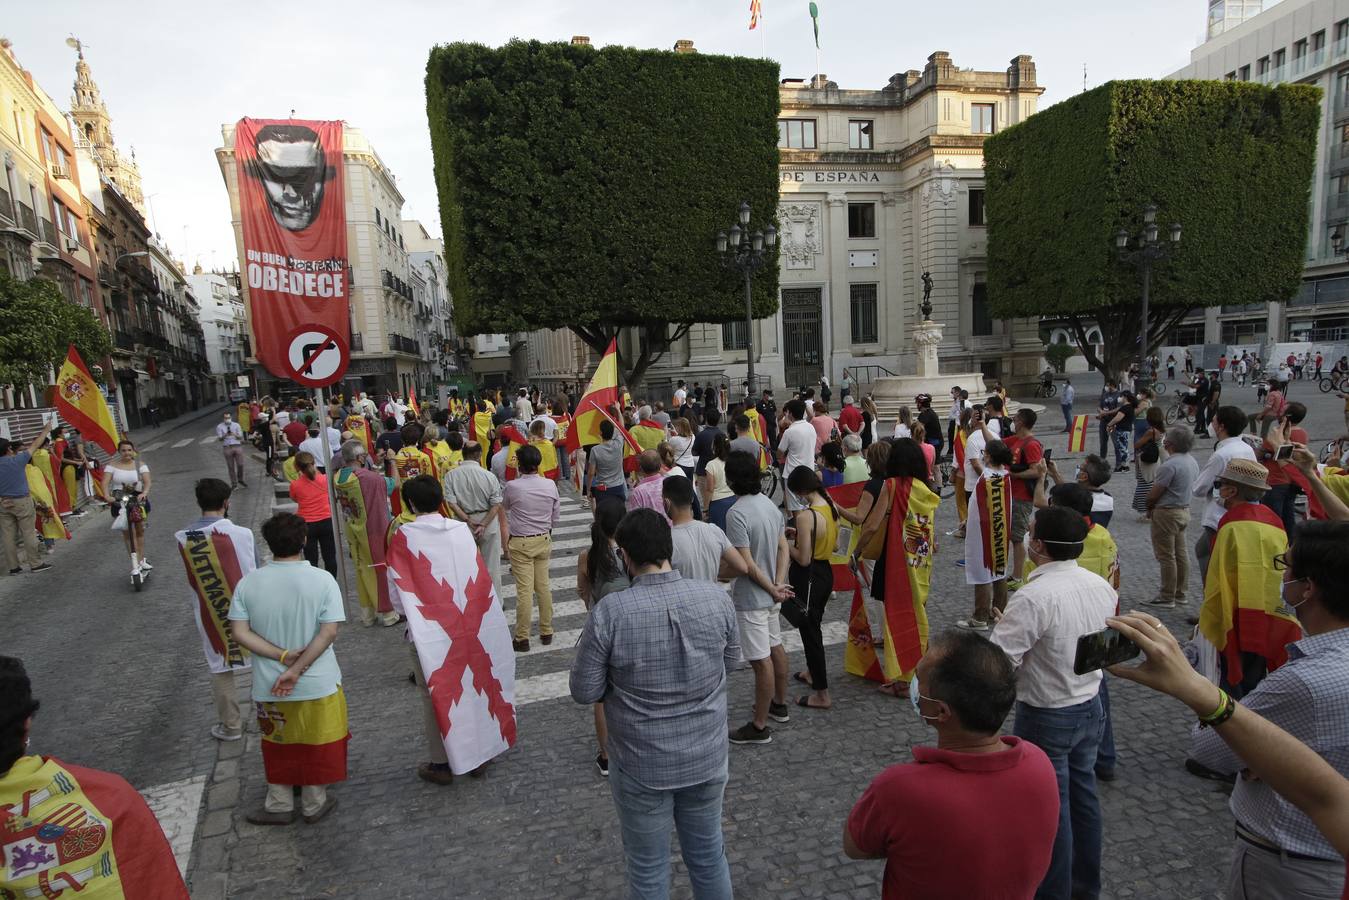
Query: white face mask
<point x="1283" y="595"/>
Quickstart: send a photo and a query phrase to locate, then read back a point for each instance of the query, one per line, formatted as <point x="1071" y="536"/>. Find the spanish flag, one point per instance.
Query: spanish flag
<point x="548" y="466"/>
<point x="360" y="430"/>
<point x="759" y="433"/>
<point x="599" y="396"/>
<point x="68" y="831"/>
<point x="910" y="544"/>
<point x="1243" y="608"/>
<point x="412" y="403"/>
<point x="305" y="741"/>
<point x="1077" y="440"/>
<point x="81" y="403"/>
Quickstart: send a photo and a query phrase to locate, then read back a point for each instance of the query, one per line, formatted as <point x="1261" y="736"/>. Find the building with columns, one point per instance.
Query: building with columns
<point x="877" y="187"/>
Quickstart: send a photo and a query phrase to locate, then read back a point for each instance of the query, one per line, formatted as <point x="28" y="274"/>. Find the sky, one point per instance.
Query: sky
<point x="172" y="73"/>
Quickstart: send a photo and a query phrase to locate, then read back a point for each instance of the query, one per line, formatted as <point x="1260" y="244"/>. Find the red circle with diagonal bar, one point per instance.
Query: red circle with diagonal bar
<point x="316" y="356"/>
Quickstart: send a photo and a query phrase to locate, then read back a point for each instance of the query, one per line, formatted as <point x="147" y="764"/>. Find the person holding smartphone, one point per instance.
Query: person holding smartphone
<point x="1057" y="709"/>
<point x="1279" y="850"/>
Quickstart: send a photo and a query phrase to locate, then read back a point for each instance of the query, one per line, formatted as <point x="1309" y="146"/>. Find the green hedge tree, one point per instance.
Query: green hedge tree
<point x="1231" y="161"/>
<point x="582" y="188"/>
<point x="37" y="325"/>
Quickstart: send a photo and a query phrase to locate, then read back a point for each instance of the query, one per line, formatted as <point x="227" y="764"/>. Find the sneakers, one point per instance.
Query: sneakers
<point x="974" y="624"/>
<point x="1162" y="602"/>
<point x="145" y="565"/>
<point x="367" y="617"/>
<point x="220" y="733"/>
<point x="40" y="568"/>
<point x="602" y="763"/>
<point x="961" y="562"/>
<point x="17" y="570"/>
<point x="389" y="619"/>
<point x="779" y="712"/>
<point x="748" y="734"/>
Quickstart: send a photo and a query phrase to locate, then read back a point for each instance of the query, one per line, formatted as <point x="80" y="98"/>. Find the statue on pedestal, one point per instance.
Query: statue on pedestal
<point x="926" y="305"/>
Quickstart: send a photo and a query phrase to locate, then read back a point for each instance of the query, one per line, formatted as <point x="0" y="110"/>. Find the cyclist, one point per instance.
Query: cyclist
<point x="1046" y="381"/>
<point x="126" y="481"/>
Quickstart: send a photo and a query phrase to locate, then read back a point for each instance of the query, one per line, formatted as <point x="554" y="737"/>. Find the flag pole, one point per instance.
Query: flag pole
<point x="334" y="507"/>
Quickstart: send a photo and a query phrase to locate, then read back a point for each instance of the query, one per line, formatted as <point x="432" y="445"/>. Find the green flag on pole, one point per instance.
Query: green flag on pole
<point x="815" y="20"/>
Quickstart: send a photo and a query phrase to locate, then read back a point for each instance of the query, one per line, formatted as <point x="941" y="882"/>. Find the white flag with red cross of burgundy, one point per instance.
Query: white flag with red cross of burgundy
<point x="439" y="579"/>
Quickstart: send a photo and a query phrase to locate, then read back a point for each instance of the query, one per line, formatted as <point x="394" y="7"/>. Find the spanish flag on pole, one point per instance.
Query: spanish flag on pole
<point x="1077" y="440"/>
<point x="81" y="403"/>
<point x="600" y="394"/>
<point x="412" y="403"/>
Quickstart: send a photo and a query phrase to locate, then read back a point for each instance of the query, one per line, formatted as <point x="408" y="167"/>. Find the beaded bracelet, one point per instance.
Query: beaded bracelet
<point x="1226" y="709"/>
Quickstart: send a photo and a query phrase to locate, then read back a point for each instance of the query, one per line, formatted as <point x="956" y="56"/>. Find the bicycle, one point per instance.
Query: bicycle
<point x="945" y="468"/>
<point x="1046" y="389"/>
<point x="1332" y="383"/>
<point x="1181" y="409"/>
<point x="769" y="479"/>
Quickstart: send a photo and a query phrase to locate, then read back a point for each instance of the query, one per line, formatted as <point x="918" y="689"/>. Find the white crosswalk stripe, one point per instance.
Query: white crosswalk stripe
<point x="209" y="439"/>
<point x="152" y="447"/>
<point x="183" y="443"/>
<point x="553" y="685"/>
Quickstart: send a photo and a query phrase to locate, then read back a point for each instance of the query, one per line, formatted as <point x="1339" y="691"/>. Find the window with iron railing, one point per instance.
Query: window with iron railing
<point x="734" y="335"/>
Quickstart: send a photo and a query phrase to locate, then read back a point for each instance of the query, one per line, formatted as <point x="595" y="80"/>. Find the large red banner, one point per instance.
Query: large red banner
<point x="293" y="205"/>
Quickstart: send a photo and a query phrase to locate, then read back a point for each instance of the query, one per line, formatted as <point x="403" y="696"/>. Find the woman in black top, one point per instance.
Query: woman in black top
<point x="1121" y="428"/>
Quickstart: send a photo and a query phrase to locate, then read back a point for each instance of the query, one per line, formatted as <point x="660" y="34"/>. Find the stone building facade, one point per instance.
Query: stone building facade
<point x="877" y="187"/>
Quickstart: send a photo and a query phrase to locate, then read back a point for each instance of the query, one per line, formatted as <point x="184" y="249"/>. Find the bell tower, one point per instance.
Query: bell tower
<point x="94" y="127"/>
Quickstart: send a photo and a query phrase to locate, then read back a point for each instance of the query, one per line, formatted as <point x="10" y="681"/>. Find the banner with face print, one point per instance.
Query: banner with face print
<point x="293" y="210"/>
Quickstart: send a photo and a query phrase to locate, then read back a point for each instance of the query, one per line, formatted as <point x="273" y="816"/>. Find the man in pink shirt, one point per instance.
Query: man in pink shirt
<point x="648" y="492"/>
<point x="823" y="423"/>
<point x="532" y="511"/>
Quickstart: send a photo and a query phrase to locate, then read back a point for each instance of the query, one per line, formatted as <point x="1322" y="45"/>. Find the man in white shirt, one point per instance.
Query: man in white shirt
<point x="524" y="410"/>
<point x="231" y="437"/>
<point x="367" y="407"/>
<point x="982" y="432"/>
<point x="549" y="426"/>
<point x="1058" y="710"/>
<point x="1228" y="424"/>
<point x="680" y="396"/>
<point x="314" y="445"/>
<point x="796" y="447"/>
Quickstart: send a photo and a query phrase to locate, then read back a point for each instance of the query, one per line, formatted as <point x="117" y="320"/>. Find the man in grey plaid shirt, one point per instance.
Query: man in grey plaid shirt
<point x="1279" y="852"/>
<point x="658" y="655"/>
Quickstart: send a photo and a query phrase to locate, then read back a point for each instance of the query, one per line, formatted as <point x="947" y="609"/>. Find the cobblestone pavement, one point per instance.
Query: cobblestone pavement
<point x="124" y="688"/>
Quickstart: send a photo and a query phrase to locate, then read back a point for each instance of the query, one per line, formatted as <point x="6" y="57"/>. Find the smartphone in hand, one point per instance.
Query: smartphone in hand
<point x="1101" y="649"/>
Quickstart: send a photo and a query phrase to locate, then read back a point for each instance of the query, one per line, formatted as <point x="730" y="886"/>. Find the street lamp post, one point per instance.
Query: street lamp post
<point x="1151" y="249"/>
<point x="746" y="253"/>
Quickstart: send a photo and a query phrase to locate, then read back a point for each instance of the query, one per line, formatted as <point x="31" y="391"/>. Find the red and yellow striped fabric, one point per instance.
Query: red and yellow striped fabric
<point x="1077" y="440"/>
<point x="305" y="741"/>
<point x="1243" y="608"/>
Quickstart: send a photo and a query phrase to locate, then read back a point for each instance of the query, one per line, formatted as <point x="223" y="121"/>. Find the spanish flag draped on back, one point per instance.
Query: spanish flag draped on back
<point x="600" y="395"/>
<point x="757" y="431"/>
<point x="81" y="403"/>
<point x="70" y="831"/>
<point x="1243" y="608"/>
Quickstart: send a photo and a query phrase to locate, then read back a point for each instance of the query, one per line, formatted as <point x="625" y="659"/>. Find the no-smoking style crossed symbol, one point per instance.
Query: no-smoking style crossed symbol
<point x="466" y="650"/>
<point x="311" y="353"/>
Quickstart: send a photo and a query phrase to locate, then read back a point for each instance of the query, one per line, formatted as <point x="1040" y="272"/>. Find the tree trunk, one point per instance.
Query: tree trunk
<point x="633" y="372"/>
<point x="1119" y="326"/>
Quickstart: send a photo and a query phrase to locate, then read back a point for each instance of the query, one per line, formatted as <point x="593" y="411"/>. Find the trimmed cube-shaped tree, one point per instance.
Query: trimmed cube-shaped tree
<point x="582" y="188"/>
<point x="1231" y="162"/>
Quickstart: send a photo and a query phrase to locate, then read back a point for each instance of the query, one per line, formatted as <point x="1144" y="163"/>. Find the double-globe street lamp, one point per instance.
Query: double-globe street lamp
<point x="747" y="252"/>
<point x="1151" y="249"/>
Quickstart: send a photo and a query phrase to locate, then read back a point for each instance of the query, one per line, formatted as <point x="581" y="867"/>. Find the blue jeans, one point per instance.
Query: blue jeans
<point x="1106" y="757"/>
<point x="645" y="817"/>
<point x="1067" y="415"/>
<point x="1070" y="737"/>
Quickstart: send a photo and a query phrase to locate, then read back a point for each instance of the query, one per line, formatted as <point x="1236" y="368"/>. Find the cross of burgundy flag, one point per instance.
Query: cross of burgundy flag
<point x="438" y="579"/>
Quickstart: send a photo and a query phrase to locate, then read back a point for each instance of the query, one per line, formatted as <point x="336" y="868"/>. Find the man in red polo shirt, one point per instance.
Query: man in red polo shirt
<point x="917" y="816"/>
<point x="1026" y="452"/>
<point x="849" y="417"/>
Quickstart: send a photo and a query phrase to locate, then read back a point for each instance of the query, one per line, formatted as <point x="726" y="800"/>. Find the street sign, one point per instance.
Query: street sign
<point x="316" y="356"/>
<point x="242" y="381"/>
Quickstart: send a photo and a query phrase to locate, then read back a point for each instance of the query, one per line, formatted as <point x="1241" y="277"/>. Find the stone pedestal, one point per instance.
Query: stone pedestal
<point x="890" y="393"/>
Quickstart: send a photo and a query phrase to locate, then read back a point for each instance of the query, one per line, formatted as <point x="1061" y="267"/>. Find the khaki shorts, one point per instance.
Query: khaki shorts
<point x="760" y="632"/>
<point x="1021" y="513"/>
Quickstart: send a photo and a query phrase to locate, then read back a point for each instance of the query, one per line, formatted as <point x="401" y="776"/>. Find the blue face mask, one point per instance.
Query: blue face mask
<point x="915" y="694"/>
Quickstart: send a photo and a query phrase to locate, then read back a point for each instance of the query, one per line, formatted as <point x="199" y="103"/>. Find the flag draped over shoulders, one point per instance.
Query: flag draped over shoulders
<point x="440" y="580"/>
<point x="364" y="497"/>
<point x="988" y="547"/>
<point x="215" y="558"/>
<point x="48" y="523"/>
<point x="1243" y="608"/>
<point x="70" y="831"/>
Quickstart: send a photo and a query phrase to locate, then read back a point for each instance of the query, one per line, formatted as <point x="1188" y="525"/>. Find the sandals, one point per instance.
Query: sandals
<point x="898" y="689"/>
<point x="803" y="678"/>
<point x="804" y="700"/>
